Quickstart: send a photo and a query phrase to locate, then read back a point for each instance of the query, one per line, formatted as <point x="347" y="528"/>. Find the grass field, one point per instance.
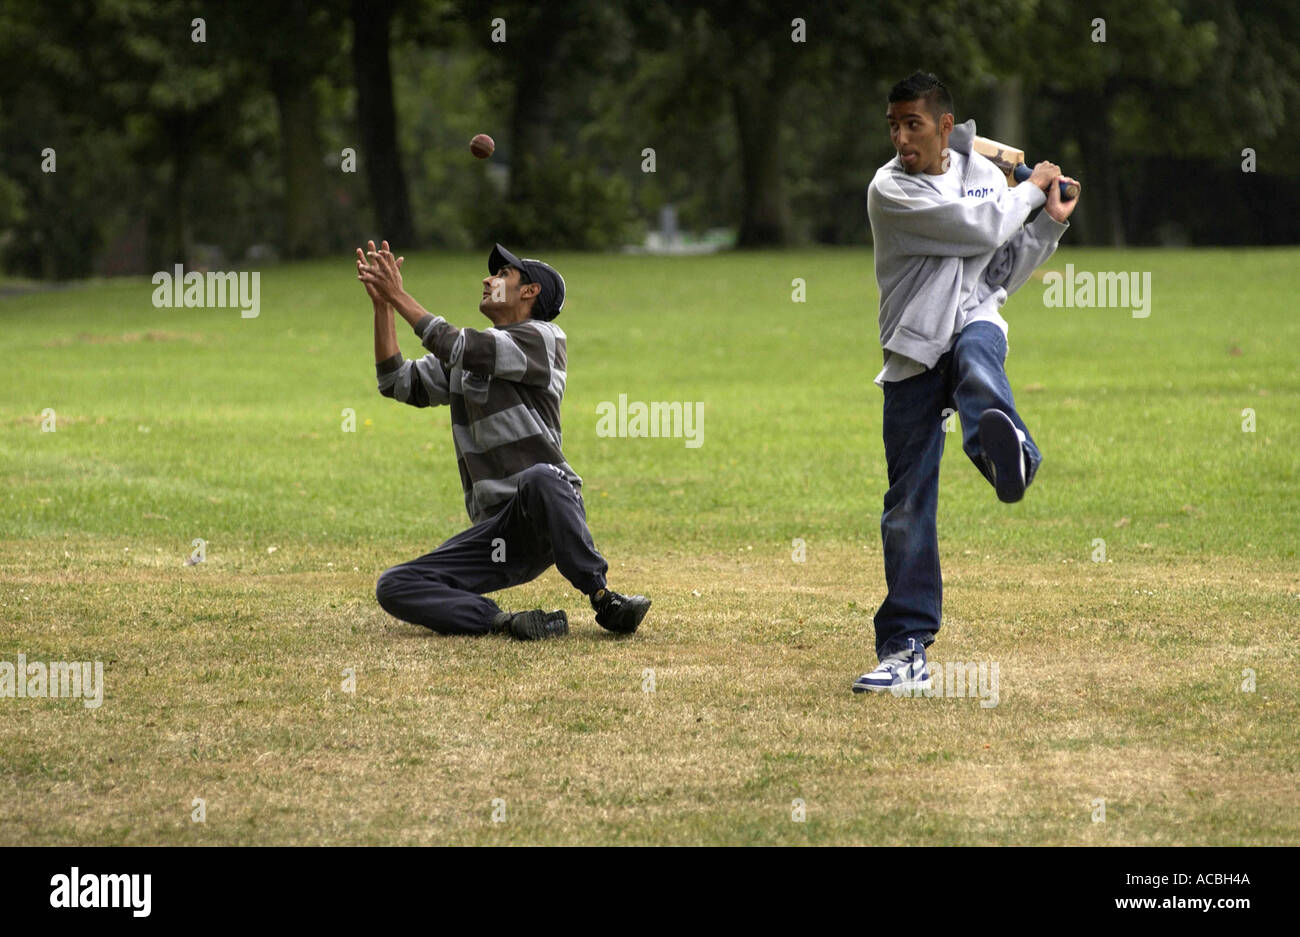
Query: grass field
<point x="1120" y="680"/>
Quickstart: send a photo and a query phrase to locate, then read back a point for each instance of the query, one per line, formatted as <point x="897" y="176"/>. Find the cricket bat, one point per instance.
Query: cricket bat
<point x="1012" y="162"/>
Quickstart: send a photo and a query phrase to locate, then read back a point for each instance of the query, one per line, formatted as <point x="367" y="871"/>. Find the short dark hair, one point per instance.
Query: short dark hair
<point x="926" y="87"/>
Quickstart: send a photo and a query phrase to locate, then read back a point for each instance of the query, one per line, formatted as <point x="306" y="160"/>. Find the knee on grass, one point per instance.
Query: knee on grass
<point x="387" y="589"/>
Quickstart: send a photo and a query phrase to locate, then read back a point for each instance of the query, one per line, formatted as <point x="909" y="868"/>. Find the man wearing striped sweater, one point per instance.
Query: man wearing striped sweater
<point x="504" y="386"/>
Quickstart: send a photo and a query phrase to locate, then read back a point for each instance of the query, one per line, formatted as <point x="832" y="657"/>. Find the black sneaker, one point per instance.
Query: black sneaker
<point x="619" y="613"/>
<point x="533" y="625"/>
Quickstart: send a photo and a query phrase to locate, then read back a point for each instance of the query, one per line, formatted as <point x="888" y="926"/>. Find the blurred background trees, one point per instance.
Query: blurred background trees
<point x="199" y="134"/>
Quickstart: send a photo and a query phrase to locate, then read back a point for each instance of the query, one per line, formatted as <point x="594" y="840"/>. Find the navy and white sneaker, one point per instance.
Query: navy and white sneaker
<point x="903" y="670"/>
<point x="1004" y="446"/>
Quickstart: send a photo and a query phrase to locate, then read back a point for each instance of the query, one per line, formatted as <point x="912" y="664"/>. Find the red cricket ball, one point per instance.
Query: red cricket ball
<point x="482" y="146"/>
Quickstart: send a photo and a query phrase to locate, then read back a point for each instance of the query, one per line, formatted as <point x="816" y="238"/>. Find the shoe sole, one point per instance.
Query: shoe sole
<point x="564" y="630"/>
<point x="898" y="687"/>
<point x="1000" y="443"/>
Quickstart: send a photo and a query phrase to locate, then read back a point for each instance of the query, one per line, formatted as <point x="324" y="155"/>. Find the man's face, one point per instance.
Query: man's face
<point x="919" y="139"/>
<point x="506" y="295"/>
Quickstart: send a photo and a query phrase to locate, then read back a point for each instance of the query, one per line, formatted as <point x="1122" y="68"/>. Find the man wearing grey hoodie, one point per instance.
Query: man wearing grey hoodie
<point x="951" y="244"/>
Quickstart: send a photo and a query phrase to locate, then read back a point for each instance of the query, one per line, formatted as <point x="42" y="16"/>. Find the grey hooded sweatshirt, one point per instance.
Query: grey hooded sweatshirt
<point x="928" y="246"/>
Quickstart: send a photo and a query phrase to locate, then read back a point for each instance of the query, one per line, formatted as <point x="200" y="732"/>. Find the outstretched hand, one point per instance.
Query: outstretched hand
<point x="380" y="273"/>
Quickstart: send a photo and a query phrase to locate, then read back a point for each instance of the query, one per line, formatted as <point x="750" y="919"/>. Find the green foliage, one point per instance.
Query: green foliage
<point x="164" y="144"/>
<point x="12" y="212"/>
<point x="578" y="206"/>
<point x="445" y="102"/>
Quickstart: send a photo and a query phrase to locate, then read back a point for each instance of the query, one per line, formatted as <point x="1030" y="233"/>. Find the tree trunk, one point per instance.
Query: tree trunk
<point x="765" y="216"/>
<point x="377" y="120"/>
<point x="1009" y="112"/>
<point x="305" y="182"/>
<point x="530" y="136"/>
<point x="1100" y="212"/>
<point x="174" y="247"/>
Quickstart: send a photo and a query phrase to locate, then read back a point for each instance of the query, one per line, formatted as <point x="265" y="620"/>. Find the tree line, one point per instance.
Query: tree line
<point x="139" y="133"/>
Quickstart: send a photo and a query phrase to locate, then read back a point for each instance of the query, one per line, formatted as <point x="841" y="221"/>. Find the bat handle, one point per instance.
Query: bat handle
<point x="1069" y="190"/>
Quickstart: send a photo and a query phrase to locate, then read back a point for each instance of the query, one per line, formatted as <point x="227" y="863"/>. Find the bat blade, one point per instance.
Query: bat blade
<point x="1012" y="163"/>
<point x="1004" y="157"/>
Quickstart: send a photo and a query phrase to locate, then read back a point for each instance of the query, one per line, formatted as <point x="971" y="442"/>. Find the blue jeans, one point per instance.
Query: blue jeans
<point x="968" y="379"/>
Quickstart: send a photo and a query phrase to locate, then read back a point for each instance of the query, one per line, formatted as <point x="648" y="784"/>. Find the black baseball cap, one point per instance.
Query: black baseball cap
<point x="550" y="300"/>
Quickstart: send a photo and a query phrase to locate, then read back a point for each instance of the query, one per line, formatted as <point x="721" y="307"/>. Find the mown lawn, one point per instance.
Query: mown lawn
<point x="1120" y="680"/>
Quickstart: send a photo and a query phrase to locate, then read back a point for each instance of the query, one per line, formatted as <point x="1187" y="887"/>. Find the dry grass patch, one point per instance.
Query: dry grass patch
<point x="1119" y="682"/>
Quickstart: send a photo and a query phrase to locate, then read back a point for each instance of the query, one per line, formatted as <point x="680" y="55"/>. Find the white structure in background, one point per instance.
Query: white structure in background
<point x="668" y="239"/>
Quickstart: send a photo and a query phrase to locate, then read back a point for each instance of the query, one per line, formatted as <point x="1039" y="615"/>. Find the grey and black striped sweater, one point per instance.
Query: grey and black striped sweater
<point x="504" y="387"/>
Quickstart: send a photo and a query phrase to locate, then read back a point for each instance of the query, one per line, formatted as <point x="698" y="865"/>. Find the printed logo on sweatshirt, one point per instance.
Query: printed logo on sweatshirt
<point x="979" y="193"/>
